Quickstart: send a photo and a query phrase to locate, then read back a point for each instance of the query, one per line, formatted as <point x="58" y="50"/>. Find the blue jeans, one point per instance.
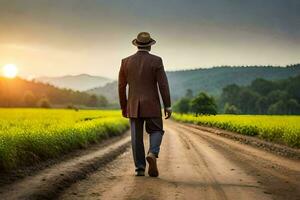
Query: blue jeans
<point x="154" y="127"/>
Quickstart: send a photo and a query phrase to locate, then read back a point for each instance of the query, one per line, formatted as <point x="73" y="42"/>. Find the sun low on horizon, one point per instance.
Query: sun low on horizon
<point x="10" y="70"/>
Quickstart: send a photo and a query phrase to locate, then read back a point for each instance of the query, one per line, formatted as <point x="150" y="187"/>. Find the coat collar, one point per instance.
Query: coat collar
<point x="142" y="51"/>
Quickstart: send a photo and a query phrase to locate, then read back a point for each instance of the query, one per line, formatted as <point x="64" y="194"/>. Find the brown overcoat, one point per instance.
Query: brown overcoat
<point x="144" y="74"/>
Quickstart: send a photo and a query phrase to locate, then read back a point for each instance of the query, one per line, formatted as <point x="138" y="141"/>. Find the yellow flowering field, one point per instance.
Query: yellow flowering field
<point x="31" y="135"/>
<point x="281" y="129"/>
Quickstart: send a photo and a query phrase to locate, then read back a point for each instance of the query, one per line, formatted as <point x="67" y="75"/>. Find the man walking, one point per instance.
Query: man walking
<point x="144" y="74"/>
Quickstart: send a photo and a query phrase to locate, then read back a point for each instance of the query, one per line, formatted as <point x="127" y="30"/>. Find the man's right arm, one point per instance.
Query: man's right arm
<point x="122" y="83"/>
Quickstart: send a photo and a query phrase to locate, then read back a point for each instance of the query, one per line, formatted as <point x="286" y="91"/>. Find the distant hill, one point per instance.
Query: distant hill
<point x="79" y="82"/>
<point x="210" y="80"/>
<point x="109" y="91"/>
<point x="23" y="93"/>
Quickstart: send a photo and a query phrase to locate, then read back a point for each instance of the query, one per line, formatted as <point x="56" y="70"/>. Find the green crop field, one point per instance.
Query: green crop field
<point x="31" y="135"/>
<point x="280" y="129"/>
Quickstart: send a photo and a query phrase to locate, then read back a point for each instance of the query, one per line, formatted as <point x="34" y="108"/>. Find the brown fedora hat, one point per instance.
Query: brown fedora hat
<point x="143" y="39"/>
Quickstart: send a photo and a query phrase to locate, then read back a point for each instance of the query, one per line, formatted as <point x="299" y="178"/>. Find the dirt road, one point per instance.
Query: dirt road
<point x="195" y="164"/>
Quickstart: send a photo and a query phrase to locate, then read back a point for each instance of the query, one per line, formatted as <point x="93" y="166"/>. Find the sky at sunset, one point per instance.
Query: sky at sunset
<point x="59" y="37"/>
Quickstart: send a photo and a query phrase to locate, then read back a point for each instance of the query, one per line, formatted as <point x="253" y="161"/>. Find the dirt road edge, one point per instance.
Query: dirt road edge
<point x="252" y="141"/>
<point x="49" y="183"/>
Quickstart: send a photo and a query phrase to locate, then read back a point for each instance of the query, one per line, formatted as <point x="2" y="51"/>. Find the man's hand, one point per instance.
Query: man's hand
<point x="124" y="113"/>
<point x="168" y="113"/>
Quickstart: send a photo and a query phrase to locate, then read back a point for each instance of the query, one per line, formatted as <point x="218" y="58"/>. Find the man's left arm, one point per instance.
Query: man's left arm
<point x="163" y="84"/>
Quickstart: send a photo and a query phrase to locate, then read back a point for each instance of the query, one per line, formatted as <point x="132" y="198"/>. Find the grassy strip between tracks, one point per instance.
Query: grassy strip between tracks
<point x="28" y="136"/>
<point x="280" y="129"/>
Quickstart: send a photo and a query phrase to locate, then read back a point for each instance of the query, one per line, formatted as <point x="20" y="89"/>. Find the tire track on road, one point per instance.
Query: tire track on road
<point x="280" y="176"/>
<point x="191" y="167"/>
<point x="48" y="183"/>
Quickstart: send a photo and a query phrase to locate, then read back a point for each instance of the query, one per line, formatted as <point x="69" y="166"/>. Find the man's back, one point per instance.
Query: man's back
<point x="143" y="72"/>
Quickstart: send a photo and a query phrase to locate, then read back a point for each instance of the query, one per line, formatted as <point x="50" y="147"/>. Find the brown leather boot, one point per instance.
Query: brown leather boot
<point x="151" y="159"/>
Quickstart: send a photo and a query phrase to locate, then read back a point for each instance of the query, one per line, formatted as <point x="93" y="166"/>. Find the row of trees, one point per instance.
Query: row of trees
<point x="22" y="93"/>
<point x="263" y="97"/>
<point x="260" y="97"/>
